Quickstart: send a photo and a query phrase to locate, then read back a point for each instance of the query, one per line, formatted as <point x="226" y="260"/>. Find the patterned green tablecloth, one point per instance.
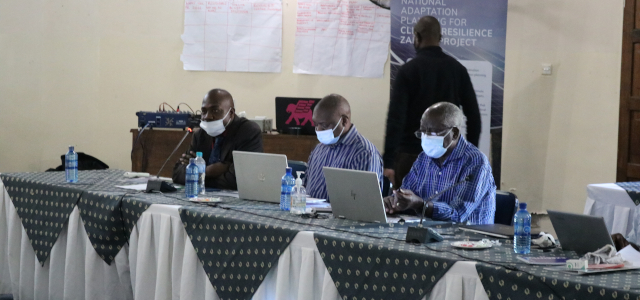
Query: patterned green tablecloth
<point x="633" y="190"/>
<point x="239" y="241"/>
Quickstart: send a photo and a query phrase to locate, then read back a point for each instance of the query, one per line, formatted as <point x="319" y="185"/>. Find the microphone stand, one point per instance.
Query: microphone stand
<point x="156" y="184"/>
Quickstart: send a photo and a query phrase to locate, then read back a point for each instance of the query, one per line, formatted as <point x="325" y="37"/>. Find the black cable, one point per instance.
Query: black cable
<point x="382" y="3"/>
<point x="124" y="229"/>
<point x="142" y="160"/>
<point x="163" y="104"/>
<point x="138" y="137"/>
<point x="187" y="106"/>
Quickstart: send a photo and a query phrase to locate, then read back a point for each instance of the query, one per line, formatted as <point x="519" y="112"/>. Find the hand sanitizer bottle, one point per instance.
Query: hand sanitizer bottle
<point x="299" y="197"/>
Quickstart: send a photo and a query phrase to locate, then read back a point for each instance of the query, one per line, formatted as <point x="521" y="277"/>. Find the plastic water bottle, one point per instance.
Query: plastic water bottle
<point x="522" y="230"/>
<point x="298" y="197"/>
<point x="191" y="180"/>
<point x="71" y="165"/>
<point x="285" y="193"/>
<point x="202" y="167"/>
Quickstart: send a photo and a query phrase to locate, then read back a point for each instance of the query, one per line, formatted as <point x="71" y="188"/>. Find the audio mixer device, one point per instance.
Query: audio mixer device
<point x="167" y="119"/>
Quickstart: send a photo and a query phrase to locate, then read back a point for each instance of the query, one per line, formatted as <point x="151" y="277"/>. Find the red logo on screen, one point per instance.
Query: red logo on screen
<point x="301" y="110"/>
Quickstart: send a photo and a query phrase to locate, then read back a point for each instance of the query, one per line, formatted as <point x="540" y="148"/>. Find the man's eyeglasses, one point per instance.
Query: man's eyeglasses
<point x="419" y="133"/>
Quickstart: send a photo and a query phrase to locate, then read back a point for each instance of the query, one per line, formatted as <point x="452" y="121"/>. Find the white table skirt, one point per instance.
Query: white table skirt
<point x="160" y="263"/>
<point x="300" y="273"/>
<point x="73" y="270"/>
<point x="612" y="202"/>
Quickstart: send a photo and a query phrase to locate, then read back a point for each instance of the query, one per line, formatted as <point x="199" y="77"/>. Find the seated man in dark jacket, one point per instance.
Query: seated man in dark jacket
<point x="221" y="132"/>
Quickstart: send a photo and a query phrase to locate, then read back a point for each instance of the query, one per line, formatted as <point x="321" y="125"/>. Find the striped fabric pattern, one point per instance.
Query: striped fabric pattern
<point x="473" y="202"/>
<point x="352" y="151"/>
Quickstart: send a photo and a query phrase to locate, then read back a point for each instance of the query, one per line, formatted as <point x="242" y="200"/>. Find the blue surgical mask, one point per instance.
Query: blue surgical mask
<point x="433" y="145"/>
<point x="326" y="136"/>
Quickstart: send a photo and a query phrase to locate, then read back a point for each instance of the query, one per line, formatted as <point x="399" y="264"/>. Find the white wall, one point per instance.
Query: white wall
<point x="561" y="131"/>
<point x="76" y="71"/>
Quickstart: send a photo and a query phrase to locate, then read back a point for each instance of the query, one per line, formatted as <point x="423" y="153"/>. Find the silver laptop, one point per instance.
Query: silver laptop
<point x="580" y="233"/>
<point x="355" y="195"/>
<point x="259" y="175"/>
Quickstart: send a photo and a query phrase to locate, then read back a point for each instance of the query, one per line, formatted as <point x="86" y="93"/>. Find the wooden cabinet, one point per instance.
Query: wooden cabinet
<point x="155" y="145"/>
<point x="295" y="147"/>
<point x="153" y="148"/>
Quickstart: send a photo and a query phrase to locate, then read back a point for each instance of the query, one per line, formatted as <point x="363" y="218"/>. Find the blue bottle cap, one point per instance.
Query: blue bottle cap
<point x="523" y="205"/>
<point x="199" y="154"/>
<point x="192" y="160"/>
<point x="71" y="148"/>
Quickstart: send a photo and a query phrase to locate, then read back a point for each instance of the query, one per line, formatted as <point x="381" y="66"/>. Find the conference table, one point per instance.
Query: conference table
<point x="93" y="241"/>
<point x="617" y="203"/>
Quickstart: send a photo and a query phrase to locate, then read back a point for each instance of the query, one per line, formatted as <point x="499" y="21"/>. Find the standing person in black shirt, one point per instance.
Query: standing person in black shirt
<point x="431" y="77"/>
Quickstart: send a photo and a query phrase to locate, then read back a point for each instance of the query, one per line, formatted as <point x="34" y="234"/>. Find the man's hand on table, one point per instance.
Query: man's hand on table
<point x="185" y="157"/>
<point x="402" y="200"/>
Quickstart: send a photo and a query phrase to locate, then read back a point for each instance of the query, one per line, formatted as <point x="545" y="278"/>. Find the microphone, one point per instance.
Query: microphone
<point x="156" y="184"/>
<point x="420" y="234"/>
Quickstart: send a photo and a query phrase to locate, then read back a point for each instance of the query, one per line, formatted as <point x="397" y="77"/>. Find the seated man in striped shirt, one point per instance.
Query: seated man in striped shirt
<point x="447" y="159"/>
<point x="341" y="146"/>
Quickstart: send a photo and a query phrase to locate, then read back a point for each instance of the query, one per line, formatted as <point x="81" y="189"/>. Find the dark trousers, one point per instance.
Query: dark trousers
<point x="403" y="164"/>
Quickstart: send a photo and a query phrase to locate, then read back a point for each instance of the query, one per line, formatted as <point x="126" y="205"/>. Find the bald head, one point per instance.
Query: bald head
<point x="332" y="112"/>
<point x="427" y="32"/>
<point x="333" y="104"/>
<point x="443" y="114"/>
<point x="218" y="96"/>
<point x="218" y="104"/>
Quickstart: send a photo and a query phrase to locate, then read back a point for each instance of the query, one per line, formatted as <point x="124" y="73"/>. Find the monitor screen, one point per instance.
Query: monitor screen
<point x="294" y="115"/>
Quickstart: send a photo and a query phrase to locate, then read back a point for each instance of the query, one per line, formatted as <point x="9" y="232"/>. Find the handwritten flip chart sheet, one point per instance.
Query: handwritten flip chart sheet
<point x="341" y="38"/>
<point x="232" y="35"/>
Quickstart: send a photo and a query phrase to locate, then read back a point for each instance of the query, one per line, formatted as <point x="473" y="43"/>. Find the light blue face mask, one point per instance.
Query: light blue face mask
<point x="326" y="136"/>
<point x="433" y="145"/>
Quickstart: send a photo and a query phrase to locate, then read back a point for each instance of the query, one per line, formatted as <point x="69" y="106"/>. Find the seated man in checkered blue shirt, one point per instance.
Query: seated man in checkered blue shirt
<point x="341" y="145"/>
<point x="447" y="159"/>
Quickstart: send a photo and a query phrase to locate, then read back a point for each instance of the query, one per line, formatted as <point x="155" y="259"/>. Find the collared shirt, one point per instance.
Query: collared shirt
<point x="473" y="202"/>
<point x="216" y="147"/>
<point x="352" y="151"/>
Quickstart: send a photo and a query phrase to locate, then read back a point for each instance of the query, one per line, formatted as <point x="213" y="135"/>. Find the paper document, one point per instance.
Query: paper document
<point x="542" y="260"/>
<point x="631" y="255"/>
<point x="320" y="205"/>
<point x="315" y="200"/>
<point x="232" y="35"/>
<point x="135" y="180"/>
<point x="224" y="193"/>
<point x="341" y="38"/>
<point x="139" y="184"/>
<point x="137" y="187"/>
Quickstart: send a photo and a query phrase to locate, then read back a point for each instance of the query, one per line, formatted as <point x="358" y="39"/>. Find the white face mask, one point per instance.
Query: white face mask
<point x="433" y="145"/>
<point x="214" y="128"/>
<point x="326" y="136"/>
